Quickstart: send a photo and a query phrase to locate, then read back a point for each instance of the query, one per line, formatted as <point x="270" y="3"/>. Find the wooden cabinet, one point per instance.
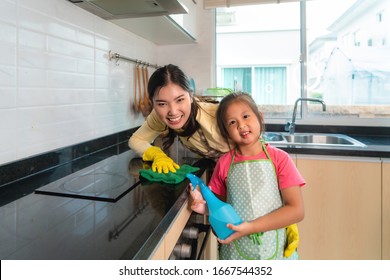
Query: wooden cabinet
<point x="386" y="209"/>
<point x="166" y="245"/>
<point x="343" y="212"/>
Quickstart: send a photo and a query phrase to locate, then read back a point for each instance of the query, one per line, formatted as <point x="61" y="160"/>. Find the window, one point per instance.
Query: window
<point x="357" y="38"/>
<point x="226" y="17"/>
<point x="343" y="60"/>
<point x="267" y="84"/>
<point x="237" y="78"/>
<point x="379" y="17"/>
<point x="270" y="85"/>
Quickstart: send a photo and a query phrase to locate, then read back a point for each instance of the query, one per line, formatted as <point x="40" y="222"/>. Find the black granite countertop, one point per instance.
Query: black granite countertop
<point x="82" y="220"/>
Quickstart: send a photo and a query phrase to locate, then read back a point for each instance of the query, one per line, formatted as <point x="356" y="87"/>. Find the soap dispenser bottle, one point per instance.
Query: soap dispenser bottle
<point x="220" y="213"/>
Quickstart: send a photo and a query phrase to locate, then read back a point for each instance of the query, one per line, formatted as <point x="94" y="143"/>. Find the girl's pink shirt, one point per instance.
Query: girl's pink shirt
<point x="286" y="171"/>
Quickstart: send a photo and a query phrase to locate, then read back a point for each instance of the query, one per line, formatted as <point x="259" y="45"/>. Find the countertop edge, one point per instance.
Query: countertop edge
<point x="152" y="243"/>
<point x="362" y="152"/>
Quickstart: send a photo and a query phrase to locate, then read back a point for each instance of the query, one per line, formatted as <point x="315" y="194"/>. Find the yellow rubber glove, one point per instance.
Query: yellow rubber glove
<point x="292" y="240"/>
<point x="161" y="162"/>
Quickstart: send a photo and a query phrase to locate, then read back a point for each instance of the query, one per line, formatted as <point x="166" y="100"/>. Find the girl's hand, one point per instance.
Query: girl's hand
<point x="197" y="203"/>
<point x="243" y="229"/>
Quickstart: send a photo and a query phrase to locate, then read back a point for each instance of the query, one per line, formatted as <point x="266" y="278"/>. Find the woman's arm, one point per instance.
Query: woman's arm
<point x="141" y="140"/>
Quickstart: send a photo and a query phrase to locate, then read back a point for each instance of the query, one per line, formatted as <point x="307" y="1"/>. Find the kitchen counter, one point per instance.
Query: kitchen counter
<point x="72" y="218"/>
<point x="76" y="217"/>
<point x="376" y="139"/>
<point x="376" y="146"/>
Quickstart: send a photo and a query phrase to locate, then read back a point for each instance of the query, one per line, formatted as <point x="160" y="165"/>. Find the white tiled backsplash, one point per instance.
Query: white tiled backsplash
<point x="57" y="85"/>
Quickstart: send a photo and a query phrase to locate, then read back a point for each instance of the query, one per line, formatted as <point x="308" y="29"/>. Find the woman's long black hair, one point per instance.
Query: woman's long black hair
<point x="173" y="74"/>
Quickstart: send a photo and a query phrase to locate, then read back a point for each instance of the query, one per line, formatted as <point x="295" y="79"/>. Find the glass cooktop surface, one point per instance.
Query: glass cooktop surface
<point x="108" y="180"/>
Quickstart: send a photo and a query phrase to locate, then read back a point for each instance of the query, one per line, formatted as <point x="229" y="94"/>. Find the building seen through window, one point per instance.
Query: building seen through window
<point x="345" y="59"/>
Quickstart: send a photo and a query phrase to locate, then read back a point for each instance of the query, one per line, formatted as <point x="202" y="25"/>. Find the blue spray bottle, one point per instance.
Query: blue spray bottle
<point x="220" y="213"/>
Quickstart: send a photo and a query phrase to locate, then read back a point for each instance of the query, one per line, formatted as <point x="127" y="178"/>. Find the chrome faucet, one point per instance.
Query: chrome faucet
<point x="290" y="126"/>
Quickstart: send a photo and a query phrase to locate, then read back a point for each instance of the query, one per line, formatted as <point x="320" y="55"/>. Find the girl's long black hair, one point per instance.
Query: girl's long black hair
<point x="173" y="74"/>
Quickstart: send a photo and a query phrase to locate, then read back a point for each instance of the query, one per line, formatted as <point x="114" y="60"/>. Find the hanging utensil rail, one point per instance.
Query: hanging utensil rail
<point x="117" y="56"/>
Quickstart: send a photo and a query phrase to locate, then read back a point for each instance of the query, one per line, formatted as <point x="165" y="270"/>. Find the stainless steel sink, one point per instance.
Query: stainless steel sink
<point x="273" y="137"/>
<point x="311" y="139"/>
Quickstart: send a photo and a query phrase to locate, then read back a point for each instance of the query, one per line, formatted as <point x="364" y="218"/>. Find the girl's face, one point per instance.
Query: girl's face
<point x="242" y="125"/>
<point x="173" y="105"/>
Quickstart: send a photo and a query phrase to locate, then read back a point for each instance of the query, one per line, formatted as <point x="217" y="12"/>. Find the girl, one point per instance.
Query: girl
<point x="176" y="112"/>
<point x="260" y="181"/>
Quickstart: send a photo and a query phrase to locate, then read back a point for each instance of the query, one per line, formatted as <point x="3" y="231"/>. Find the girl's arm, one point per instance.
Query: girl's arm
<point x="196" y="201"/>
<point x="292" y="212"/>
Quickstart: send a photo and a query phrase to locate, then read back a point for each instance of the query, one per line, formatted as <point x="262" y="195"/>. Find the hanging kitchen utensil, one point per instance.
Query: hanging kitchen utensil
<point x="150" y="104"/>
<point x="137" y="89"/>
<point x="141" y="95"/>
<point x="140" y="101"/>
<point x="146" y="106"/>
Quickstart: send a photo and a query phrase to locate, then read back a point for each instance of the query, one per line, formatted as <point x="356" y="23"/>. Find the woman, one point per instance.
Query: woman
<point x="176" y="112"/>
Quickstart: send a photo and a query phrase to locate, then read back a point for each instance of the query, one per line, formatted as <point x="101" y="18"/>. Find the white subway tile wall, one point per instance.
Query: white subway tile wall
<point x="57" y="85"/>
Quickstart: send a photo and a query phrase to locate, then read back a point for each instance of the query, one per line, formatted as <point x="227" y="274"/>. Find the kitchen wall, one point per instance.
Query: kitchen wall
<point x="57" y="85"/>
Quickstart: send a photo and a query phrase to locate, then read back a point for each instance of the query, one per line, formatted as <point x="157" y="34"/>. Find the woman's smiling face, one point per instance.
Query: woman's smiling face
<point x="173" y="105"/>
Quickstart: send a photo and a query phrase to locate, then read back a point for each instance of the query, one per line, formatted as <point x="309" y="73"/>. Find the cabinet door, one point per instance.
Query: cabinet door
<point x="386" y="210"/>
<point x="166" y="245"/>
<point x="342" y="208"/>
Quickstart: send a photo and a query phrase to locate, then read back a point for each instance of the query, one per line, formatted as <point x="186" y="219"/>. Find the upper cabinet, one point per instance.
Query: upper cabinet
<point x="164" y="22"/>
<point x="187" y="21"/>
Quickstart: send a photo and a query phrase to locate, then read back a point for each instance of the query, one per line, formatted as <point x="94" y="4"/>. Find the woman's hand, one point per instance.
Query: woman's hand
<point x="197" y="203"/>
<point x="161" y="162"/>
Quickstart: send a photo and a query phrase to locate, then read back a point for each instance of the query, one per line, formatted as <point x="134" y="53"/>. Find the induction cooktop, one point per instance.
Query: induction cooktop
<point x="108" y="180"/>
